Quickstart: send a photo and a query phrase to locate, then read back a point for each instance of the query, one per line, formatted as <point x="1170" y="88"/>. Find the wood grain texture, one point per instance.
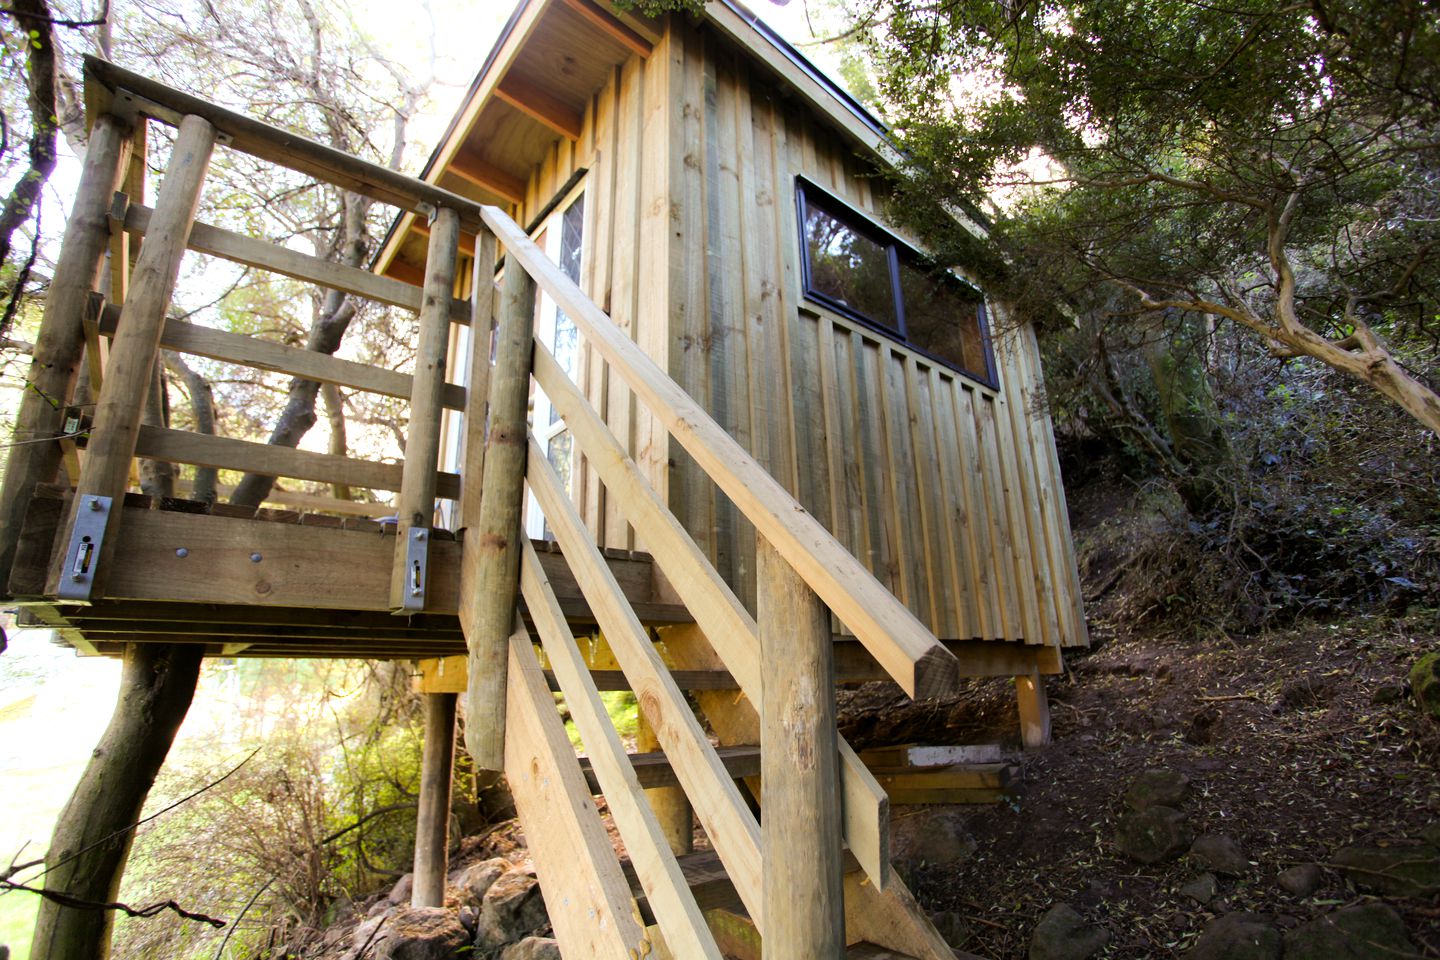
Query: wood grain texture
<point x="432" y="821"/>
<point x="490" y="569"/>
<point x="800" y="835"/>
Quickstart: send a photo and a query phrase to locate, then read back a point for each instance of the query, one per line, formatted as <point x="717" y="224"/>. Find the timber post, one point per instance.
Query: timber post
<point x="432" y="823"/>
<point x="59" y="346"/>
<point x="799" y="768"/>
<point x="477" y="390"/>
<point x="415" y="506"/>
<point x="1034" y="707"/>
<point x="490" y="556"/>
<point x="131" y="369"/>
<point x="669" y="804"/>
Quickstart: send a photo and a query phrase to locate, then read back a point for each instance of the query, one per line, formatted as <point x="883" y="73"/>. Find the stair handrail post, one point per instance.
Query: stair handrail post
<point x="490" y="556"/>
<point x="59" y="347"/>
<point x="131" y="368"/>
<point x="800" y="833"/>
<point x="483" y="301"/>
<point x="415" y="505"/>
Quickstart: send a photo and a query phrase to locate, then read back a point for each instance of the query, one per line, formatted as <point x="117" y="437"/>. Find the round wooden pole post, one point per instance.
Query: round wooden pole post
<point x="432" y="823"/>
<point x="490" y="556"/>
<point x="415" y="505"/>
<point x="131" y="370"/>
<point x="800" y="827"/>
<point x="61" y="341"/>
<point x="670" y="805"/>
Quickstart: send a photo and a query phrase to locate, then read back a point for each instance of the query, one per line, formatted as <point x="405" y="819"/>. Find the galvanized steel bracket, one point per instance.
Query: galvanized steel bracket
<point x="417" y="569"/>
<point x="82" y="555"/>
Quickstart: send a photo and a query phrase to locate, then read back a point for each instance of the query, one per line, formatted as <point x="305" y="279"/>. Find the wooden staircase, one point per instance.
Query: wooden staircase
<point x="812" y="877"/>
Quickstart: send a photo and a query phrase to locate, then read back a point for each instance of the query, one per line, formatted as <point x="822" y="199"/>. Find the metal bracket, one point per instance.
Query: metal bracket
<point x="417" y="569"/>
<point x="82" y="555"/>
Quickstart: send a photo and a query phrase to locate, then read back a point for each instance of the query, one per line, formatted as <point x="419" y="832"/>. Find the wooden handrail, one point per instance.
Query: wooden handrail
<point x="718" y="612"/>
<point x="731" y="826"/>
<point x="260" y="139"/>
<point x="895" y="637"/>
<point x="676" y="911"/>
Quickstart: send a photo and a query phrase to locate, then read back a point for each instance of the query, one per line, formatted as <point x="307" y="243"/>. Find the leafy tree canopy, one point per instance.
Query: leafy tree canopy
<point x="1274" y="164"/>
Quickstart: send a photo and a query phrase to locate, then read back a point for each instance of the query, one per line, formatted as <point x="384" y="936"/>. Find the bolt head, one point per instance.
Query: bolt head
<point x="256" y="558"/>
<point x="182" y="552"/>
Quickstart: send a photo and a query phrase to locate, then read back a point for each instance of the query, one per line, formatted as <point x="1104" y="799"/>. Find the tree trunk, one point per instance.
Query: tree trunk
<point x="202" y="408"/>
<point x="93" y="835"/>
<point x="339" y="444"/>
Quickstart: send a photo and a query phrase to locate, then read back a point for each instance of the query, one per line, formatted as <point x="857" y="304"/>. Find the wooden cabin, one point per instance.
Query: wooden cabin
<point x="680" y="388"/>
<point x="702" y="183"/>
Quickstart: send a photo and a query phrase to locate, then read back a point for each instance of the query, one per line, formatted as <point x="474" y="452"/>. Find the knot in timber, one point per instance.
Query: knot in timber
<point x="494" y="541"/>
<point x="512" y="436"/>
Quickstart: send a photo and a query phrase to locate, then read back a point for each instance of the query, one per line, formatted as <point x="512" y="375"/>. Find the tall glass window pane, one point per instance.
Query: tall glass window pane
<point x="849" y="268"/>
<point x="567" y="347"/>
<point x="942" y="319"/>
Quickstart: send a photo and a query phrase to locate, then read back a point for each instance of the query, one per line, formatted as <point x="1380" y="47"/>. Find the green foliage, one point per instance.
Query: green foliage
<point x="322" y="814"/>
<point x="1272" y="164"/>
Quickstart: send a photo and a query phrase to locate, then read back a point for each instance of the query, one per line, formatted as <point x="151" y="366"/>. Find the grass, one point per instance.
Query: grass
<point x="17" y="919"/>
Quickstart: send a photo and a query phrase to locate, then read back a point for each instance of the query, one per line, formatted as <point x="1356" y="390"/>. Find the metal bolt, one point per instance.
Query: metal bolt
<point x="419" y="534"/>
<point x="256" y="558"/>
<point x="416" y="591"/>
<point x="95" y="504"/>
<point x="181" y="552"/>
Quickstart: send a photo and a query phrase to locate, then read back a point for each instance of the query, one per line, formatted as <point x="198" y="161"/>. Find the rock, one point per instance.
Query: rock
<point x="400" y="893"/>
<point x="932" y="837"/>
<point x="381" y="908"/>
<point x="1355" y="933"/>
<point x="1062" y="934"/>
<point x="1431" y="834"/>
<point x="1237" y="936"/>
<point x="512" y="908"/>
<point x="1153" y="834"/>
<point x="472" y="883"/>
<point x="1158" y="788"/>
<point x="1392" y="871"/>
<point x="1425" y="683"/>
<point x="367" y="930"/>
<point x="951" y="926"/>
<point x="422" y="933"/>
<point x="532" y="948"/>
<point x="1387" y="693"/>
<point x="1202" y="889"/>
<point x="1301" y="880"/>
<point x="468" y="917"/>
<point x="1220" y="853"/>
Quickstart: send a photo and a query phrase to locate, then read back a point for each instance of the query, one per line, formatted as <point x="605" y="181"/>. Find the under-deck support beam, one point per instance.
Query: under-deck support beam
<point x="799" y="769"/>
<point x="490" y="556"/>
<point x="1034" y="710"/>
<point x="56" y="354"/>
<point x="432" y="823"/>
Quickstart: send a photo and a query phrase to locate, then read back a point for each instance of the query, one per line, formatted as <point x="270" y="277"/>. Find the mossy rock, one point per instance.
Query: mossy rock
<point x="1425" y="682"/>
<point x="1401" y="871"/>
<point x="1355" y="933"/>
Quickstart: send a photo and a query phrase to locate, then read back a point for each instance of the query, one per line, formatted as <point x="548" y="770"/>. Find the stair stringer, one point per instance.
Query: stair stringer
<point x="890" y="919"/>
<point x="585" y="891"/>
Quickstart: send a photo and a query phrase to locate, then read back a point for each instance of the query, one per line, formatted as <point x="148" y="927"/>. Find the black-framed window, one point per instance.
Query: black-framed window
<point x="865" y="273"/>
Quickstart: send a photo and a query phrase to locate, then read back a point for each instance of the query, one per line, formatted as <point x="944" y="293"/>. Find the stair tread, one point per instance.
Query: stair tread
<point x="653" y="769"/>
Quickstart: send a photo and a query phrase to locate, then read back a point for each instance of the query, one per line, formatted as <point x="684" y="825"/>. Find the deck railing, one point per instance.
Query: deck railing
<point x="816" y="791"/>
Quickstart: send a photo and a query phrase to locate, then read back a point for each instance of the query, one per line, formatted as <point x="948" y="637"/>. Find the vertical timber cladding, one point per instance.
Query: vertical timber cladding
<point x="623" y="149"/>
<point x="948" y="490"/>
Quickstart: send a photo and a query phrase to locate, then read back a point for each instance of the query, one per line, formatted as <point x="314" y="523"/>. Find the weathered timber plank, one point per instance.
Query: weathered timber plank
<point x="182" y="446"/>
<point x="277" y="357"/>
<point x="250" y="252"/>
